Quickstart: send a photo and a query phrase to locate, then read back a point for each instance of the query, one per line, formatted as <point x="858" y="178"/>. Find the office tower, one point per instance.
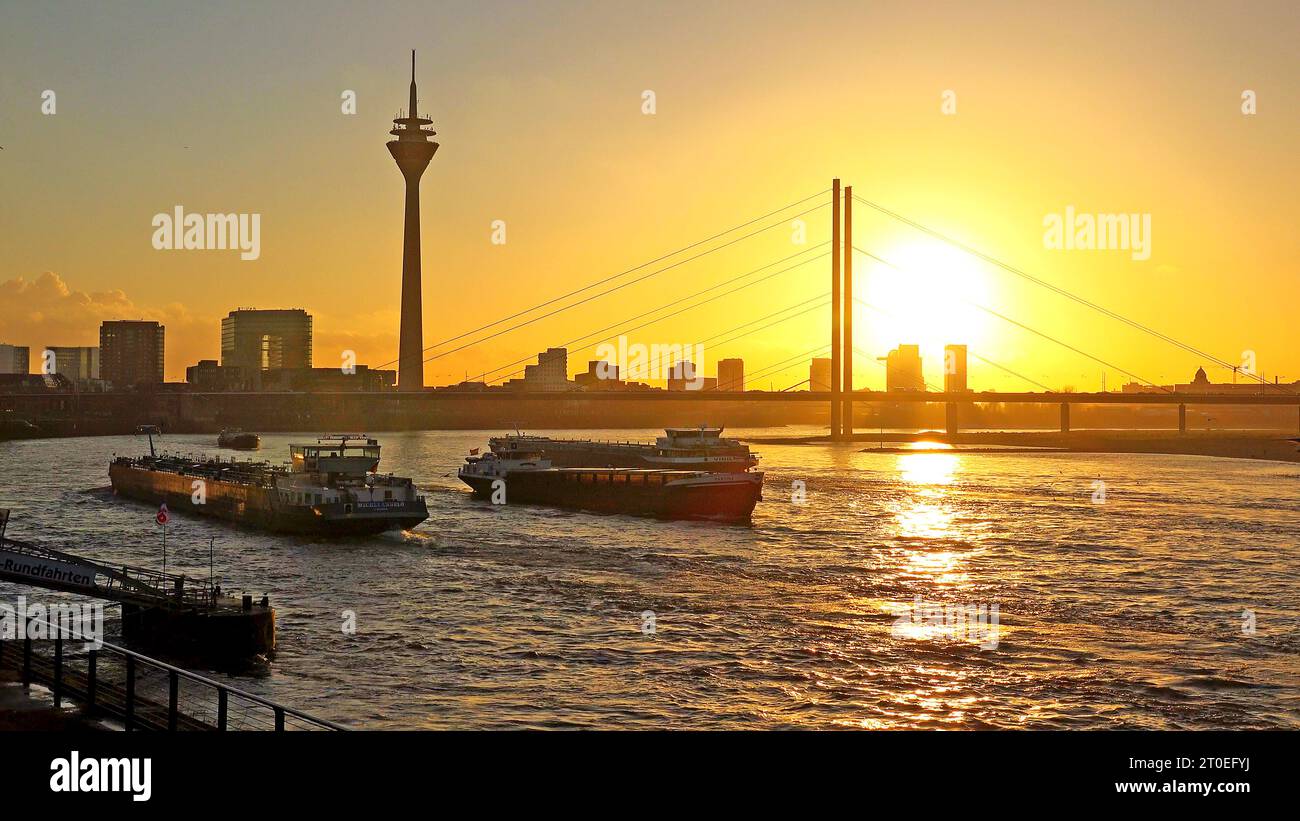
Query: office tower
<point x="731" y="374"/>
<point x="263" y="340"/>
<point x="819" y="374"/>
<point x="80" y="364"/>
<point x="15" y="359"/>
<point x="131" y="352"/>
<point x="551" y="373"/>
<point x="954" y="369"/>
<point x="903" y="369"/>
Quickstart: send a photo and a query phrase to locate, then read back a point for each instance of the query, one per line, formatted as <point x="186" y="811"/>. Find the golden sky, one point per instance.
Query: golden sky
<point x="1102" y="107"/>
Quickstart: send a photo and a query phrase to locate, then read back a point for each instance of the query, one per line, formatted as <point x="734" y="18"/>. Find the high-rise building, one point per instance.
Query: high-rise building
<point x="551" y="373"/>
<point x="903" y="369"/>
<point x="80" y="364"/>
<point x="412" y="151"/>
<point x="731" y="374"/>
<point x="131" y="352"/>
<point x="684" y="376"/>
<point x="15" y="359"/>
<point x="600" y="376"/>
<point x="265" y="340"/>
<point x="954" y="369"/>
<point x="819" y="374"/>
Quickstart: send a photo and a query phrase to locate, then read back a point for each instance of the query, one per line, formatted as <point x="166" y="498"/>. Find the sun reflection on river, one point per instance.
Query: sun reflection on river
<point x="926" y="515"/>
<point x="928" y="468"/>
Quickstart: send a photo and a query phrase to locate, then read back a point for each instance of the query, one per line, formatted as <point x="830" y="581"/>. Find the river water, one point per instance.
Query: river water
<point x="1129" y="591"/>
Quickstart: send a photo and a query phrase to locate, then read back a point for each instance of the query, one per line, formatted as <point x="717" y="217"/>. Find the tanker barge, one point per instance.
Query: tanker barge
<point x="529" y="478"/>
<point x="331" y="487"/>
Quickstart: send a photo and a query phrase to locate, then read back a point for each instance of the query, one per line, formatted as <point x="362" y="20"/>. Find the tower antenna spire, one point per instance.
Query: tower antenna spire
<point x="412" y="114"/>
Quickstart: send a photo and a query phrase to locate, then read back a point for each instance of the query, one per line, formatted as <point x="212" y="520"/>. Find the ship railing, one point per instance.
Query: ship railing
<point x="624" y="444"/>
<point x="602" y="443"/>
<point x="141" y="692"/>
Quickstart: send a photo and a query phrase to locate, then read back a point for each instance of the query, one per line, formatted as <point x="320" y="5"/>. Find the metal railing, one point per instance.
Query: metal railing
<point x="142" y="692"/>
<point x="127" y="583"/>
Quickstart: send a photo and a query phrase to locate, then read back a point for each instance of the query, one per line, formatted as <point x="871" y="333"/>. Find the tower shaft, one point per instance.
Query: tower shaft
<point x="410" y="349"/>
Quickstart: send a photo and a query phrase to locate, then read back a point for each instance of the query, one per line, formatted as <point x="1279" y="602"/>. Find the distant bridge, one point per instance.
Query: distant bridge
<point x="952" y="401"/>
<point x="922" y="397"/>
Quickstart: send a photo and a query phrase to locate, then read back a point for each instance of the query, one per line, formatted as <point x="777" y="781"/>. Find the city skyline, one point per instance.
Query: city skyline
<point x="728" y="367"/>
<point x="331" y="229"/>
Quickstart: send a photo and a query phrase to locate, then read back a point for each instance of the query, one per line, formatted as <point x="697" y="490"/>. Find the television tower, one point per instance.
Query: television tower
<point x="412" y="150"/>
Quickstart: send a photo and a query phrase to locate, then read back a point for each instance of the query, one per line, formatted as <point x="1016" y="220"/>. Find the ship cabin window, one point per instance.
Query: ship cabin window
<point x="654" y="479"/>
<point x="620" y="478"/>
<point x="602" y="478"/>
<point x="586" y="478"/>
<point x="636" y="479"/>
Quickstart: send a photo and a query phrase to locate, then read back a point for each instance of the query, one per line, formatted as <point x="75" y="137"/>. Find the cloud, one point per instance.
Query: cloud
<point x="45" y="311"/>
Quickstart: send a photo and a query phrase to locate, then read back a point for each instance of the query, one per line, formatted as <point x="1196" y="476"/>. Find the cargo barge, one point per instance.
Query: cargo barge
<point x="331" y="487"/>
<point x="700" y="449"/>
<point x="530" y="478"/>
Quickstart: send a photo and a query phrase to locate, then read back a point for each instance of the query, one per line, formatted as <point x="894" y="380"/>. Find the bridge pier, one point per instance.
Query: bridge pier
<point x="1182" y="419"/>
<point x="1065" y="417"/>
<point x="950" y="417"/>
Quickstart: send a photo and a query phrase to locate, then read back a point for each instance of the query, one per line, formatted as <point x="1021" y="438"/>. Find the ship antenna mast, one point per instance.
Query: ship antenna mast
<point x="150" y="430"/>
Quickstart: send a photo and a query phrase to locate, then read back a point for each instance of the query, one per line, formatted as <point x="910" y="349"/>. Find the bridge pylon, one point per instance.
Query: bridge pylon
<point x="836" y="338"/>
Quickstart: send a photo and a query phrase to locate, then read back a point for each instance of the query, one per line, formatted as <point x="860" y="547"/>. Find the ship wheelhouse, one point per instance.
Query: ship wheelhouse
<point x="339" y="455"/>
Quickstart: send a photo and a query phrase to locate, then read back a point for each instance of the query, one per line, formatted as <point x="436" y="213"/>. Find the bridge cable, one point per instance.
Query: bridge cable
<point x="636" y="268"/>
<point x="985" y="359"/>
<point x="1022" y="325"/>
<point x="738" y="327"/>
<point x="610" y="291"/>
<point x="1056" y="288"/>
<point x="674" y="302"/>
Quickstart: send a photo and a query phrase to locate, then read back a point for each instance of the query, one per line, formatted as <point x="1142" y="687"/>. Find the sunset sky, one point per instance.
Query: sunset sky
<point x="1106" y="108"/>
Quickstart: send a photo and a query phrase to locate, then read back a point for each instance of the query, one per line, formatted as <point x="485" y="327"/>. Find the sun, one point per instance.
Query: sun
<point x="926" y="296"/>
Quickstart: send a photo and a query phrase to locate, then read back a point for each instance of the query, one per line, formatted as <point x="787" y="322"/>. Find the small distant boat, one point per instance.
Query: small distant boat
<point x="528" y="478"/>
<point x="236" y="439"/>
<point x="15" y="427"/>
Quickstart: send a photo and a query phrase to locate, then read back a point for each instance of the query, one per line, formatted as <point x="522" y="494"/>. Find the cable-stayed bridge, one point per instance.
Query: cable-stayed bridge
<point x="835" y="257"/>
